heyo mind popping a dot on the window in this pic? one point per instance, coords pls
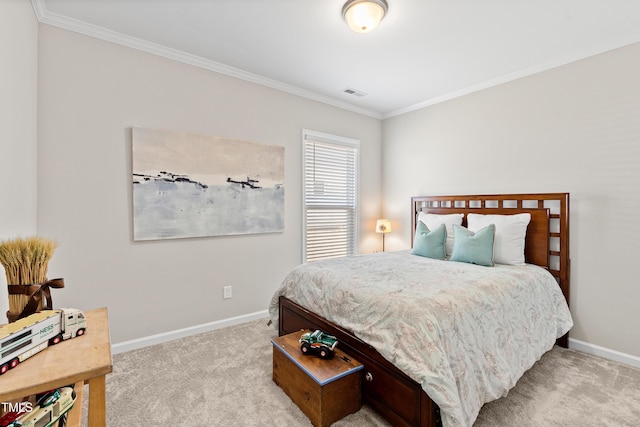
(330, 196)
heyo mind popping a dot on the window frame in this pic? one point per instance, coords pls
(337, 141)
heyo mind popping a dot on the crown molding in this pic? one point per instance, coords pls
(46, 17)
(50, 18)
(573, 56)
(39, 8)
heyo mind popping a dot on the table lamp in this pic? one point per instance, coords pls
(383, 226)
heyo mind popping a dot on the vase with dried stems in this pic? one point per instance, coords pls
(25, 261)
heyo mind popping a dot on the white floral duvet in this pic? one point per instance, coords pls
(466, 333)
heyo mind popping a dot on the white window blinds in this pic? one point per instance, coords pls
(330, 196)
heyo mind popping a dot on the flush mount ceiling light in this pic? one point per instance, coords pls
(363, 16)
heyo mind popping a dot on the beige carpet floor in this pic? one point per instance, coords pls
(223, 378)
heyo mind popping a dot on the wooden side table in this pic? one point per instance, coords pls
(325, 390)
(79, 361)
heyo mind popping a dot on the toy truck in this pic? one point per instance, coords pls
(318, 342)
(10, 419)
(25, 337)
(50, 408)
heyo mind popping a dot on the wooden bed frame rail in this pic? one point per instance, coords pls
(385, 388)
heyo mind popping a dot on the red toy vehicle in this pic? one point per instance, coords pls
(16, 410)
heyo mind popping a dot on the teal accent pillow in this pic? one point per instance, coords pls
(430, 244)
(474, 248)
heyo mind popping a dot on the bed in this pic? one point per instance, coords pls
(396, 380)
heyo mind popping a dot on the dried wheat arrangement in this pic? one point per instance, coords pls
(25, 261)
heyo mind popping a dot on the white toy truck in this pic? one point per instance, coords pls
(25, 337)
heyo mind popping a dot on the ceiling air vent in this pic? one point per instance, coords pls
(355, 92)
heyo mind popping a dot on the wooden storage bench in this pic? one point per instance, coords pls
(325, 390)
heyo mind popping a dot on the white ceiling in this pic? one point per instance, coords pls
(423, 52)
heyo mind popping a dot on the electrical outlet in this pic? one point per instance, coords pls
(227, 292)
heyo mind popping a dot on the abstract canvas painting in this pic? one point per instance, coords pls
(189, 185)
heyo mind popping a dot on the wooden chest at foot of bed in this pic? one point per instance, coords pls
(326, 390)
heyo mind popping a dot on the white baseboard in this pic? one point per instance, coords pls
(603, 352)
(574, 344)
(185, 332)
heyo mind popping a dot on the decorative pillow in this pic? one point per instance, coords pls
(474, 248)
(511, 231)
(433, 221)
(428, 243)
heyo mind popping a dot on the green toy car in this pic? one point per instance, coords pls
(317, 342)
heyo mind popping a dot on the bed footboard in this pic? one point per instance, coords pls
(385, 388)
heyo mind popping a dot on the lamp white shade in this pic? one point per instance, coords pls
(363, 16)
(383, 226)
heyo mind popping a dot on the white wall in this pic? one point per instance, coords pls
(91, 93)
(18, 126)
(573, 129)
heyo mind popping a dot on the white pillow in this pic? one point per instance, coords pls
(511, 231)
(433, 221)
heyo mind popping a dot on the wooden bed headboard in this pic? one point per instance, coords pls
(547, 241)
